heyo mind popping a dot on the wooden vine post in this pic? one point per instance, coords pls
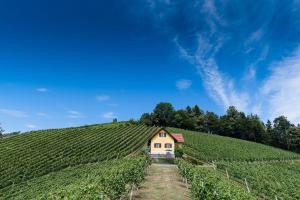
(131, 192)
(227, 173)
(246, 183)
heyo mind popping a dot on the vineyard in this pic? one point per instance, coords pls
(269, 180)
(270, 173)
(213, 147)
(209, 184)
(109, 180)
(100, 162)
(31, 155)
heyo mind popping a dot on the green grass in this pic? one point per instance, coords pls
(209, 147)
(34, 154)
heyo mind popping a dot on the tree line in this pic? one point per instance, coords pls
(279, 133)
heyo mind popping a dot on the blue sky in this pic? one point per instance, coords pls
(69, 63)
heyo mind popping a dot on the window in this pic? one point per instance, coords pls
(168, 145)
(157, 145)
(162, 134)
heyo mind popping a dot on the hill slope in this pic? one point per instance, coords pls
(57, 162)
(270, 172)
(38, 153)
(209, 147)
(109, 179)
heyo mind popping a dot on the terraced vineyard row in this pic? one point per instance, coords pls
(31, 155)
(209, 147)
(107, 180)
(270, 180)
(210, 184)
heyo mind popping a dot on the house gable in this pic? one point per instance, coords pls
(162, 145)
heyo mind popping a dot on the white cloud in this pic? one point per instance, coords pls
(75, 114)
(278, 94)
(109, 115)
(31, 126)
(281, 90)
(103, 97)
(183, 84)
(213, 16)
(218, 86)
(42, 90)
(13, 113)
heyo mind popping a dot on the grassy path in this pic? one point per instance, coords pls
(163, 182)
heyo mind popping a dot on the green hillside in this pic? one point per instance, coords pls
(83, 162)
(268, 179)
(89, 181)
(270, 172)
(38, 153)
(209, 147)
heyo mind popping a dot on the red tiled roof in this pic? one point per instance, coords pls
(178, 137)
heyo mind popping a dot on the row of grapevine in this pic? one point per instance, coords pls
(270, 180)
(109, 180)
(210, 184)
(38, 153)
(210, 147)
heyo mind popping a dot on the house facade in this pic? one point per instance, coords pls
(163, 144)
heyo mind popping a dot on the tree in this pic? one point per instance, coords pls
(181, 119)
(211, 122)
(163, 114)
(147, 119)
(133, 122)
(293, 139)
(189, 110)
(197, 111)
(230, 121)
(255, 129)
(280, 130)
(267, 137)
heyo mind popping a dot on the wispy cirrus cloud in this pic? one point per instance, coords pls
(281, 90)
(183, 84)
(13, 113)
(208, 43)
(220, 87)
(213, 17)
(214, 37)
